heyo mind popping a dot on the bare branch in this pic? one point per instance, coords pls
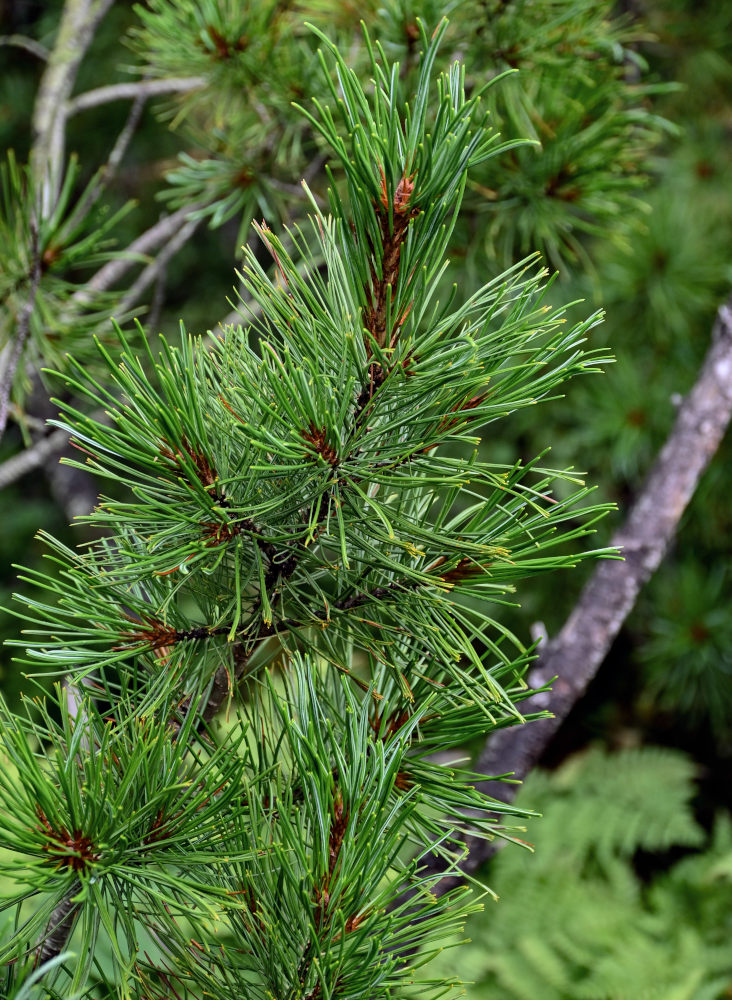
(79, 21)
(123, 139)
(577, 652)
(32, 458)
(107, 172)
(158, 297)
(150, 240)
(126, 91)
(29, 44)
(22, 330)
(151, 272)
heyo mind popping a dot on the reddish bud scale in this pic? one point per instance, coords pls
(464, 570)
(317, 437)
(204, 469)
(71, 850)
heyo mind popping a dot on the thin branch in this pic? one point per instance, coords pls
(223, 684)
(150, 240)
(32, 458)
(126, 91)
(577, 652)
(29, 44)
(155, 268)
(107, 172)
(123, 139)
(79, 21)
(22, 330)
(158, 298)
(28, 420)
(58, 929)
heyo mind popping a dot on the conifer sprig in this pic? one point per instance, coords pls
(42, 251)
(111, 815)
(307, 524)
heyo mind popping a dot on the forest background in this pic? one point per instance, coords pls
(653, 737)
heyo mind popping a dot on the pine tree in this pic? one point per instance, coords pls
(296, 597)
(297, 513)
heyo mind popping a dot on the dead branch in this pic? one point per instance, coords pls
(79, 21)
(32, 458)
(29, 44)
(126, 91)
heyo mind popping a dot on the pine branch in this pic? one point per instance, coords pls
(223, 684)
(22, 330)
(29, 44)
(143, 89)
(394, 221)
(151, 273)
(58, 929)
(578, 651)
(107, 172)
(79, 21)
(32, 458)
(164, 229)
(290, 518)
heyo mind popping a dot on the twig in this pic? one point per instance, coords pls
(32, 458)
(112, 272)
(295, 191)
(29, 44)
(107, 172)
(123, 139)
(58, 929)
(151, 272)
(577, 652)
(158, 298)
(79, 21)
(125, 91)
(22, 330)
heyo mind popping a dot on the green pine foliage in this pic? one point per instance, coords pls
(242, 133)
(310, 523)
(576, 920)
(299, 509)
(686, 656)
(579, 96)
(73, 240)
(242, 145)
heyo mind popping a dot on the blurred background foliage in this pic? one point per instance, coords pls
(607, 907)
(628, 196)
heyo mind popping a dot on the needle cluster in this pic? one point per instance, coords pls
(298, 522)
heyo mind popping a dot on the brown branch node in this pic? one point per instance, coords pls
(73, 850)
(317, 438)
